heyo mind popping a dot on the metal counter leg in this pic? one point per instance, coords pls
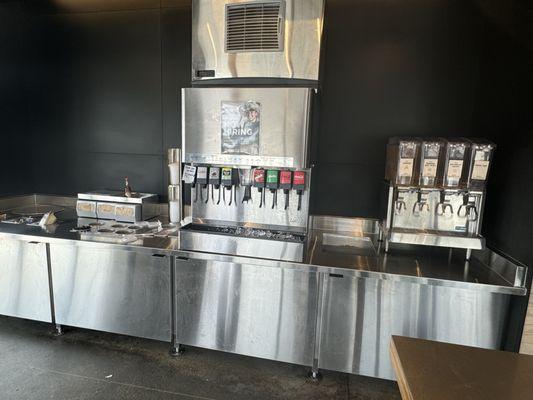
(468, 254)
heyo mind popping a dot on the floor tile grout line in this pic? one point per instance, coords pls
(121, 383)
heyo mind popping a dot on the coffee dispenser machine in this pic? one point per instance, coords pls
(437, 191)
(246, 164)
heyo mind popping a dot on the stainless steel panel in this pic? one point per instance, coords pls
(356, 226)
(241, 246)
(247, 309)
(283, 139)
(460, 241)
(360, 315)
(24, 288)
(512, 271)
(299, 58)
(112, 290)
(114, 196)
(251, 213)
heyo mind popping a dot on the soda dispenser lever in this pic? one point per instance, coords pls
(201, 182)
(259, 183)
(299, 186)
(272, 183)
(227, 183)
(285, 183)
(214, 181)
(189, 178)
(245, 177)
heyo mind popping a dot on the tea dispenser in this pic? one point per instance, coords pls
(436, 192)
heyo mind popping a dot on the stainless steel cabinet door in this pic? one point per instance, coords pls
(360, 315)
(112, 290)
(24, 288)
(246, 309)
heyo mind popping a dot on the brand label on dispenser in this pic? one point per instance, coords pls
(189, 174)
(285, 179)
(227, 176)
(201, 176)
(259, 177)
(298, 182)
(455, 169)
(480, 170)
(405, 169)
(272, 179)
(429, 170)
(214, 175)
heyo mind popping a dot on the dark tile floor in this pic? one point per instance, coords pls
(91, 365)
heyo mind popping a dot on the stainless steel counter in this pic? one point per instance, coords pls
(344, 246)
(337, 310)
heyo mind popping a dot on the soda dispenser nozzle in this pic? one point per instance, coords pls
(245, 177)
(299, 186)
(214, 181)
(227, 183)
(259, 183)
(272, 183)
(202, 183)
(285, 183)
(189, 178)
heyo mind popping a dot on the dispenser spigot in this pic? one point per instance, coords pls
(444, 204)
(421, 203)
(468, 209)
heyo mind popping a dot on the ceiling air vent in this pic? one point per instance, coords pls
(255, 26)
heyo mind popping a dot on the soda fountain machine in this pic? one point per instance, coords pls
(246, 164)
(437, 191)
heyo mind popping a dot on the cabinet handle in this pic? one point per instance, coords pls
(182, 258)
(34, 242)
(336, 275)
(159, 255)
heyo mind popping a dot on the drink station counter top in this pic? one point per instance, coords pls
(336, 245)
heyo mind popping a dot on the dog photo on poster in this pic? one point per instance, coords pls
(241, 127)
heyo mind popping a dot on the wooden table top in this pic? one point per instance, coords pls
(442, 371)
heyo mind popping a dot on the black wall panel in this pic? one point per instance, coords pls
(96, 97)
(391, 69)
(15, 176)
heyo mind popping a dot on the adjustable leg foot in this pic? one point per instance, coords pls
(176, 350)
(314, 375)
(58, 330)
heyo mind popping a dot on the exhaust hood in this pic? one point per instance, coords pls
(256, 39)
